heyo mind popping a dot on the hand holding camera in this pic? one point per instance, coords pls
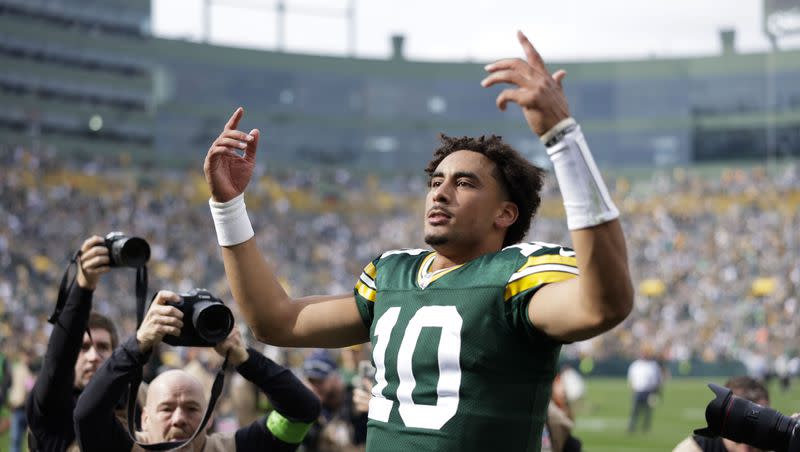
(207, 320)
(161, 319)
(93, 262)
(234, 347)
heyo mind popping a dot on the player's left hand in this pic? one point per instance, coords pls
(539, 93)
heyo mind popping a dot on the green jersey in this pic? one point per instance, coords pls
(459, 366)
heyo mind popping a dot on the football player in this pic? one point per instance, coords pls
(465, 335)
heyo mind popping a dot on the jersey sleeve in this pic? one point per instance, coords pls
(545, 265)
(366, 291)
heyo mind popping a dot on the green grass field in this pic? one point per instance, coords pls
(602, 419)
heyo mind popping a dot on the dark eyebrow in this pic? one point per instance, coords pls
(467, 174)
(458, 174)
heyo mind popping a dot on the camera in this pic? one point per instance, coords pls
(124, 251)
(206, 320)
(743, 421)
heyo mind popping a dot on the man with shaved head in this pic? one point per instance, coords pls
(173, 390)
(176, 401)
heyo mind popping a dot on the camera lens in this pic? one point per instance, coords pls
(746, 422)
(212, 321)
(130, 252)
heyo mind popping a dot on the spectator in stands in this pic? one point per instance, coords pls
(176, 401)
(21, 384)
(334, 432)
(81, 340)
(746, 387)
(5, 385)
(685, 225)
(644, 378)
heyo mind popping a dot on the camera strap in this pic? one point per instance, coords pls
(141, 293)
(63, 289)
(133, 390)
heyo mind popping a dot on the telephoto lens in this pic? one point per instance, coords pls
(743, 421)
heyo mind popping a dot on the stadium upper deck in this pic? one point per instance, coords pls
(165, 100)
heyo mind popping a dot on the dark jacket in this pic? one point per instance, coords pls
(52, 401)
(99, 430)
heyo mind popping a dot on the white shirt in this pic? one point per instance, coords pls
(644, 375)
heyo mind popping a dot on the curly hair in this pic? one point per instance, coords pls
(520, 179)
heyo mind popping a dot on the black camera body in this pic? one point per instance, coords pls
(743, 421)
(124, 251)
(206, 320)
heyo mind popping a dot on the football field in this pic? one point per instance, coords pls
(602, 418)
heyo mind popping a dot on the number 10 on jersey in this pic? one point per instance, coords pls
(448, 320)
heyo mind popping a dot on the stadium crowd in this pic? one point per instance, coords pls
(714, 252)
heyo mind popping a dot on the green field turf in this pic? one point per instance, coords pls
(602, 419)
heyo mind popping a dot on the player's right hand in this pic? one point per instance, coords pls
(227, 171)
(161, 319)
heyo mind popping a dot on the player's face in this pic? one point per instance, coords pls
(175, 407)
(463, 201)
(93, 352)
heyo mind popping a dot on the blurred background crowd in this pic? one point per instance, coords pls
(107, 116)
(713, 253)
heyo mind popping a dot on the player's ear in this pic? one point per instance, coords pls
(506, 215)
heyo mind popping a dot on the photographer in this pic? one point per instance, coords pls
(745, 387)
(175, 401)
(78, 345)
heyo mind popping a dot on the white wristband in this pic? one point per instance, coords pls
(231, 221)
(586, 197)
(557, 129)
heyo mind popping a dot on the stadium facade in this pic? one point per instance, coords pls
(86, 76)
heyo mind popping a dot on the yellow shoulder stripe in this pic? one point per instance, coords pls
(535, 279)
(365, 291)
(549, 259)
(370, 270)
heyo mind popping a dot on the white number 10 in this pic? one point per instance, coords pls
(414, 415)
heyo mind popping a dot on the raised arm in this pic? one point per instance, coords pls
(52, 394)
(96, 426)
(602, 296)
(275, 318)
(296, 406)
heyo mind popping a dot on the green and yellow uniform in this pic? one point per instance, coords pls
(459, 365)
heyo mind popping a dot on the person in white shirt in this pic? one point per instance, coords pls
(644, 378)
